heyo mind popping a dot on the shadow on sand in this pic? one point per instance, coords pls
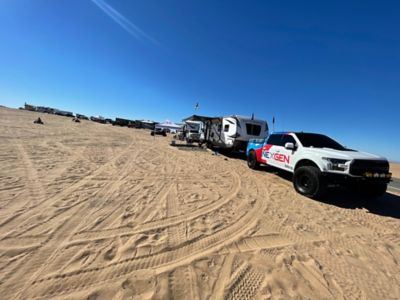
(387, 205)
(191, 147)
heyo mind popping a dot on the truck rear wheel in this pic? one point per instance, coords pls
(308, 181)
(252, 161)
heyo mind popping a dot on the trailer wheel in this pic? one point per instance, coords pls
(252, 161)
(308, 181)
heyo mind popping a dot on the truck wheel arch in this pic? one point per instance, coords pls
(306, 162)
(252, 160)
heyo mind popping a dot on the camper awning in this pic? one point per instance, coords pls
(200, 118)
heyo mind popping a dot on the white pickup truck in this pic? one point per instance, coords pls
(317, 161)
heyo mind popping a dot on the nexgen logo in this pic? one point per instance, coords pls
(278, 157)
(281, 157)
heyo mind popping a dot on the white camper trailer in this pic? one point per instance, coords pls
(193, 131)
(234, 132)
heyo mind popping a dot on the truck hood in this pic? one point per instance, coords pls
(348, 155)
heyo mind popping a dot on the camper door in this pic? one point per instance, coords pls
(228, 131)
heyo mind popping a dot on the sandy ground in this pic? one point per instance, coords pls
(395, 169)
(92, 211)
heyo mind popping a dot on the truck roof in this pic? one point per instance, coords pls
(294, 132)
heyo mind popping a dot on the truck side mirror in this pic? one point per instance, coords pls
(289, 146)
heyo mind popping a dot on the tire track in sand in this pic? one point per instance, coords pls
(64, 230)
(166, 222)
(37, 209)
(161, 262)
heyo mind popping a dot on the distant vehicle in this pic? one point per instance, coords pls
(158, 131)
(44, 109)
(124, 122)
(29, 107)
(98, 119)
(234, 132)
(179, 135)
(147, 124)
(193, 131)
(63, 113)
(83, 117)
(317, 162)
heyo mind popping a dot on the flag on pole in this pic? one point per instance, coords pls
(273, 124)
(197, 106)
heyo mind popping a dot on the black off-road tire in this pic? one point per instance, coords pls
(308, 182)
(252, 161)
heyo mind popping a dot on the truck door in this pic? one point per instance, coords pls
(286, 156)
(270, 149)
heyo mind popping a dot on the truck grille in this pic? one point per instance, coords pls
(358, 167)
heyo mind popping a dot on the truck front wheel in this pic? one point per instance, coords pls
(252, 161)
(308, 181)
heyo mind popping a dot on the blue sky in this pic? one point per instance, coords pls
(320, 66)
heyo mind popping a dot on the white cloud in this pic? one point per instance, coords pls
(131, 28)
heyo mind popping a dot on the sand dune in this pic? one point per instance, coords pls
(92, 211)
(395, 169)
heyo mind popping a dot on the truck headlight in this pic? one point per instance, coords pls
(335, 164)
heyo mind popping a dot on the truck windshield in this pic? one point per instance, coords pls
(319, 141)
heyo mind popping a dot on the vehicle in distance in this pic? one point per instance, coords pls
(98, 119)
(83, 117)
(193, 131)
(158, 131)
(234, 132)
(123, 122)
(317, 162)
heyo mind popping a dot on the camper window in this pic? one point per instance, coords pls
(253, 129)
(226, 128)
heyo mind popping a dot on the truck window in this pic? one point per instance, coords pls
(274, 139)
(253, 129)
(288, 139)
(226, 128)
(319, 141)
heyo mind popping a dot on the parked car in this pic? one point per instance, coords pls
(317, 161)
(83, 117)
(98, 119)
(158, 131)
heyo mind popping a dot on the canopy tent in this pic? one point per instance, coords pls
(167, 124)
